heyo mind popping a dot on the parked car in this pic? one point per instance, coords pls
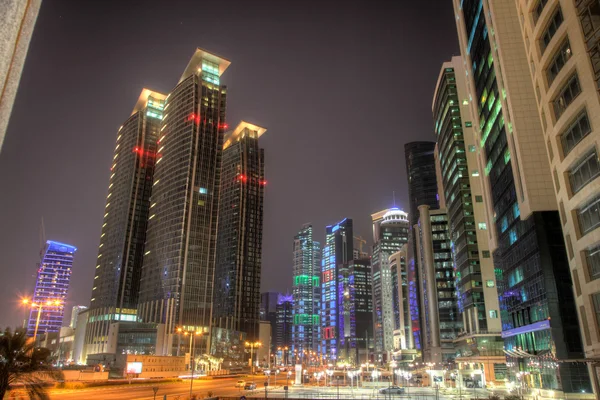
(240, 384)
(392, 390)
(250, 386)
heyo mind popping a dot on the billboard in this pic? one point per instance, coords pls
(134, 367)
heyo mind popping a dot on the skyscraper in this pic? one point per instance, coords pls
(537, 305)
(566, 74)
(306, 292)
(239, 243)
(123, 234)
(176, 286)
(390, 232)
(284, 321)
(402, 335)
(17, 19)
(480, 344)
(337, 253)
(51, 285)
(421, 174)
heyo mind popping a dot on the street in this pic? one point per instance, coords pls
(225, 387)
(221, 387)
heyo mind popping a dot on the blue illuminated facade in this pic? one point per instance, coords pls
(338, 250)
(52, 285)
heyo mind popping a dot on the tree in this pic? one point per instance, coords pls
(21, 363)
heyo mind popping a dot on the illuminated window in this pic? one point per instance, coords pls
(485, 254)
(203, 190)
(475, 173)
(489, 283)
(493, 314)
(482, 226)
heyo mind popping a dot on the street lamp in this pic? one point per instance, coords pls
(330, 373)
(192, 345)
(252, 346)
(40, 306)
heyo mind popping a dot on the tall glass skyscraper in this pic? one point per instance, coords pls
(461, 190)
(537, 305)
(176, 286)
(390, 232)
(338, 250)
(306, 292)
(123, 235)
(52, 284)
(239, 244)
(421, 174)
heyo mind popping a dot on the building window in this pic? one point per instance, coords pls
(468, 124)
(479, 199)
(575, 133)
(584, 172)
(493, 314)
(485, 254)
(472, 148)
(558, 62)
(482, 226)
(589, 216)
(592, 257)
(596, 302)
(537, 10)
(489, 283)
(475, 173)
(551, 29)
(566, 96)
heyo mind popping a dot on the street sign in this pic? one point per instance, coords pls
(155, 388)
(285, 388)
(266, 384)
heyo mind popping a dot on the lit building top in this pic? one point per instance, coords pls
(240, 131)
(197, 63)
(146, 100)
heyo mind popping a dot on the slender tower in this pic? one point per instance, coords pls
(306, 291)
(239, 245)
(121, 250)
(176, 286)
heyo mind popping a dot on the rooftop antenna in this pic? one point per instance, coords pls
(42, 238)
(394, 198)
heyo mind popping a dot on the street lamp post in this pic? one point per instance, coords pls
(252, 346)
(192, 366)
(330, 373)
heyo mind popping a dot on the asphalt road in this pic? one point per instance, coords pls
(221, 387)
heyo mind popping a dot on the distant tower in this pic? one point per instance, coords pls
(176, 286)
(306, 291)
(239, 243)
(390, 232)
(52, 284)
(75, 313)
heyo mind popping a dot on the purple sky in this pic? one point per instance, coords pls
(340, 86)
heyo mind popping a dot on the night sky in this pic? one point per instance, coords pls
(340, 87)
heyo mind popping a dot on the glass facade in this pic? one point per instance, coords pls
(176, 285)
(530, 262)
(51, 285)
(390, 231)
(306, 292)
(457, 192)
(239, 243)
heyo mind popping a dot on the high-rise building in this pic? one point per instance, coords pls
(306, 292)
(566, 73)
(123, 234)
(422, 180)
(537, 304)
(355, 310)
(17, 19)
(284, 321)
(390, 232)
(479, 347)
(337, 251)
(402, 335)
(51, 288)
(74, 314)
(176, 286)
(440, 320)
(239, 244)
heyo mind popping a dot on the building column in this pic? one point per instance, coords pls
(429, 269)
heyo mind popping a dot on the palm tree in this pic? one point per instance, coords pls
(21, 363)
